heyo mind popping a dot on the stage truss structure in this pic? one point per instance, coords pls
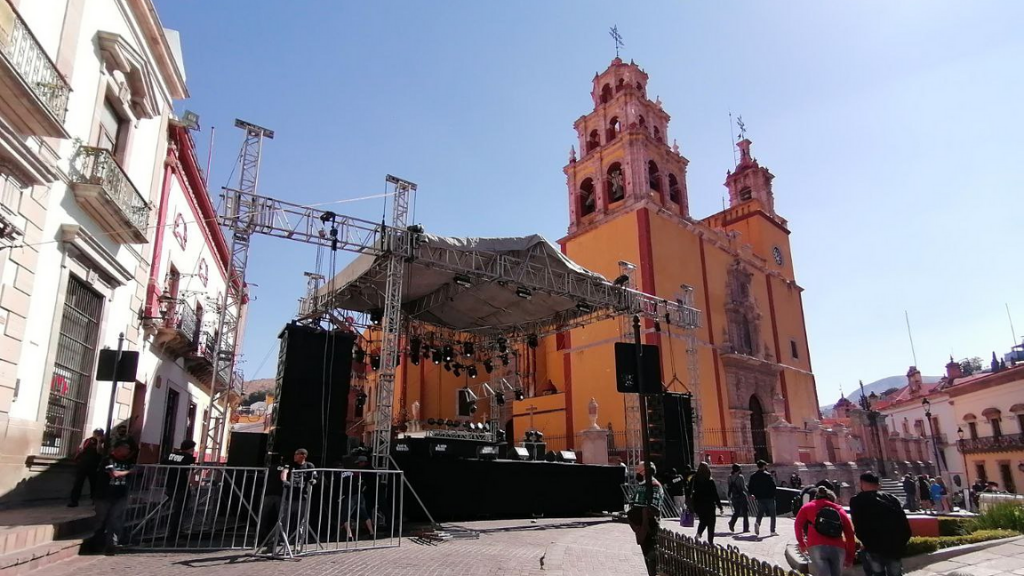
(245, 213)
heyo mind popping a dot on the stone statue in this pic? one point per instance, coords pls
(592, 412)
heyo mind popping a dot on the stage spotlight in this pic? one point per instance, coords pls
(524, 293)
(375, 362)
(457, 370)
(531, 436)
(657, 326)
(360, 401)
(431, 421)
(435, 356)
(376, 317)
(359, 355)
(519, 394)
(584, 307)
(448, 353)
(504, 359)
(499, 398)
(467, 348)
(414, 347)
(415, 359)
(502, 344)
(531, 341)
(462, 280)
(538, 435)
(447, 367)
(622, 280)
(452, 423)
(471, 370)
(488, 366)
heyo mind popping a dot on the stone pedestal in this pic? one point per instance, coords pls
(594, 445)
(785, 443)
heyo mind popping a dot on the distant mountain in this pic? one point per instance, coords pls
(879, 386)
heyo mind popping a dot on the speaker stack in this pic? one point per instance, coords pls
(670, 426)
(314, 372)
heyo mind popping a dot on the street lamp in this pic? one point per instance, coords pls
(967, 477)
(935, 446)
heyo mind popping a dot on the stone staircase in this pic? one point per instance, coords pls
(32, 538)
(894, 487)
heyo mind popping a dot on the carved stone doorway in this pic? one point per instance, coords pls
(758, 433)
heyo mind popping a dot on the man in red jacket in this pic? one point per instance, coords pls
(829, 539)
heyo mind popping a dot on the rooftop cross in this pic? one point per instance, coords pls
(742, 127)
(614, 33)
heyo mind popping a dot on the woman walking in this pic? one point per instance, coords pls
(737, 494)
(925, 490)
(704, 500)
(824, 532)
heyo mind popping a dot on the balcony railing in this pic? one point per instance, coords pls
(25, 56)
(1004, 443)
(183, 319)
(104, 190)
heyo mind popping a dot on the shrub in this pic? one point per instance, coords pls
(955, 526)
(1004, 516)
(928, 544)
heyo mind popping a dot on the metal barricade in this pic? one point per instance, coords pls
(325, 510)
(206, 507)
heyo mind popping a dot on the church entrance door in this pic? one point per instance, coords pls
(758, 434)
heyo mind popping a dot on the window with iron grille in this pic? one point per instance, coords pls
(72, 370)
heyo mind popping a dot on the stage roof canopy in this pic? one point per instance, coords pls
(511, 285)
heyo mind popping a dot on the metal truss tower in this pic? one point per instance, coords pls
(693, 370)
(634, 426)
(226, 337)
(391, 323)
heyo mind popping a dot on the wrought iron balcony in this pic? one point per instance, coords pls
(1003, 443)
(105, 192)
(33, 94)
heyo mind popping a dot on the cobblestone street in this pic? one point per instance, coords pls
(593, 547)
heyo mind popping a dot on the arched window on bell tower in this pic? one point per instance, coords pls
(675, 194)
(641, 122)
(587, 197)
(613, 129)
(745, 195)
(620, 85)
(615, 183)
(606, 94)
(640, 87)
(657, 134)
(653, 177)
(593, 141)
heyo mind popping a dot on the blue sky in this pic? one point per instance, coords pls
(892, 129)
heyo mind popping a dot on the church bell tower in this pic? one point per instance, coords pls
(624, 155)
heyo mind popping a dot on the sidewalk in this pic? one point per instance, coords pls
(768, 548)
(1003, 560)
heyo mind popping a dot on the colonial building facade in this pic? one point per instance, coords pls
(86, 104)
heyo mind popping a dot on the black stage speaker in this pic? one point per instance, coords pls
(247, 449)
(670, 426)
(625, 368)
(536, 450)
(314, 371)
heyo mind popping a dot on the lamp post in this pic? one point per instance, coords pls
(967, 477)
(931, 430)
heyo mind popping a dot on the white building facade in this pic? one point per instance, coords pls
(86, 107)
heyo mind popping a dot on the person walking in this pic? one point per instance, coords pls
(824, 532)
(111, 508)
(737, 493)
(910, 492)
(87, 467)
(644, 515)
(935, 489)
(704, 500)
(924, 492)
(762, 488)
(881, 526)
(176, 484)
(946, 500)
(676, 488)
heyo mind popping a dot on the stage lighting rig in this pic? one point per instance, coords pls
(467, 349)
(457, 370)
(359, 355)
(524, 293)
(531, 341)
(488, 366)
(463, 280)
(499, 398)
(435, 356)
(361, 398)
(519, 394)
(504, 359)
(449, 353)
(376, 317)
(415, 345)
(471, 371)
(375, 362)
(502, 345)
(447, 367)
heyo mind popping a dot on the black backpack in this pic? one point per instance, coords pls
(828, 522)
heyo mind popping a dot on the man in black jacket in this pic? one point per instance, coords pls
(881, 526)
(762, 487)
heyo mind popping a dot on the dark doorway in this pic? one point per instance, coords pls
(138, 413)
(170, 423)
(830, 447)
(190, 423)
(758, 433)
(1007, 475)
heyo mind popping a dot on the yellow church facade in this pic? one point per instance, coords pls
(628, 200)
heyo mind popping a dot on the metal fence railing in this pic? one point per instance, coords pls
(194, 508)
(334, 510)
(680, 555)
